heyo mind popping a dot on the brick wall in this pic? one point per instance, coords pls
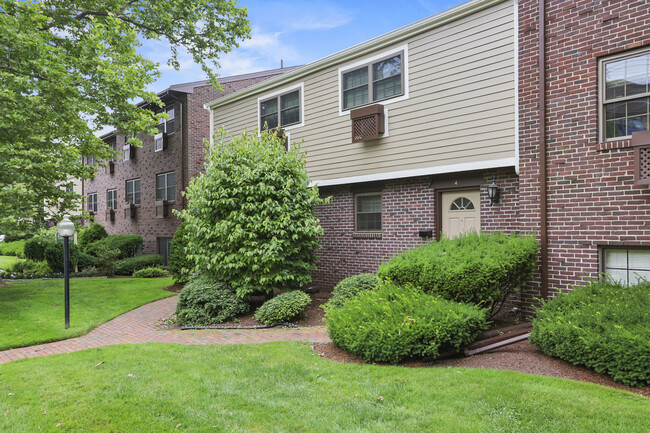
(592, 201)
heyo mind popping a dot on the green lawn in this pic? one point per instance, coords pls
(7, 261)
(286, 387)
(32, 312)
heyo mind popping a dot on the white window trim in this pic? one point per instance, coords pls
(300, 86)
(95, 202)
(126, 183)
(351, 66)
(115, 200)
(165, 175)
(601, 90)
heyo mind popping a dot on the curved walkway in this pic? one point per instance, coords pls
(141, 326)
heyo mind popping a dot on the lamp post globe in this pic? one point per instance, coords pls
(65, 228)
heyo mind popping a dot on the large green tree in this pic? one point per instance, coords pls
(68, 67)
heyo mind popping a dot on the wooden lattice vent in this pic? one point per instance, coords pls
(641, 144)
(367, 123)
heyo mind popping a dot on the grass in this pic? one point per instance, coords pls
(32, 312)
(7, 261)
(286, 387)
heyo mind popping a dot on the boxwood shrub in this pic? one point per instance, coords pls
(393, 323)
(90, 234)
(205, 301)
(54, 254)
(35, 248)
(480, 269)
(604, 326)
(128, 245)
(351, 287)
(151, 272)
(129, 265)
(283, 307)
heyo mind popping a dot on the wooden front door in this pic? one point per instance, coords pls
(461, 212)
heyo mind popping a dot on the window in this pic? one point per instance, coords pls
(90, 161)
(167, 126)
(282, 110)
(462, 203)
(133, 191)
(625, 94)
(627, 266)
(166, 186)
(111, 199)
(164, 245)
(113, 146)
(374, 81)
(69, 187)
(368, 212)
(92, 202)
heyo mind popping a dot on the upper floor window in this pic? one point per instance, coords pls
(90, 161)
(113, 145)
(374, 81)
(625, 93)
(92, 202)
(133, 191)
(111, 199)
(166, 186)
(281, 110)
(168, 125)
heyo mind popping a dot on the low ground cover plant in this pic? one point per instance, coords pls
(205, 300)
(128, 245)
(129, 265)
(283, 308)
(351, 287)
(151, 272)
(480, 269)
(392, 323)
(603, 325)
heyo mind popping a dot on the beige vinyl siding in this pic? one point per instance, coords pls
(460, 109)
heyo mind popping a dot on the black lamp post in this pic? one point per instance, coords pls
(493, 193)
(66, 229)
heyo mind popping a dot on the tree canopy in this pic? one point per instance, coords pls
(69, 67)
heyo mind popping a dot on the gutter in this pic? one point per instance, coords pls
(542, 151)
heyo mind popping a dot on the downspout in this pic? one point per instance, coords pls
(542, 150)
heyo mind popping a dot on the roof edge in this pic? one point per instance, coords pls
(366, 47)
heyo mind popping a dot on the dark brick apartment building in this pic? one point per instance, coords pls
(150, 178)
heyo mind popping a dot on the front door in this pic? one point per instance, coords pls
(461, 212)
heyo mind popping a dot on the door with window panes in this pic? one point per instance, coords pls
(461, 212)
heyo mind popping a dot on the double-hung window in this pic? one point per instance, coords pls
(367, 209)
(111, 199)
(92, 202)
(373, 82)
(113, 146)
(166, 186)
(625, 95)
(282, 110)
(167, 125)
(133, 191)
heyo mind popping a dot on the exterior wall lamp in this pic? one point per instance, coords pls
(494, 192)
(65, 228)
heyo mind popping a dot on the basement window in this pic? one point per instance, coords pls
(627, 266)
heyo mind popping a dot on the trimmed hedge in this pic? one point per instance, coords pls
(35, 248)
(54, 254)
(204, 301)
(90, 234)
(476, 269)
(31, 267)
(393, 323)
(179, 264)
(150, 273)
(604, 326)
(351, 287)
(283, 307)
(16, 249)
(129, 265)
(128, 245)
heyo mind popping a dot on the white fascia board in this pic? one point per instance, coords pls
(452, 168)
(362, 49)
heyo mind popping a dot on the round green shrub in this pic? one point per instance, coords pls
(283, 307)
(250, 216)
(54, 254)
(351, 287)
(86, 261)
(480, 269)
(393, 323)
(205, 300)
(129, 265)
(90, 234)
(603, 325)
(179, 264)
(35, 248)
(151, 272)
(128, 245)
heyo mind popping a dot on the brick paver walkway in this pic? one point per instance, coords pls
(139, 326)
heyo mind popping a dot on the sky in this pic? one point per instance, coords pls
(299, 32)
